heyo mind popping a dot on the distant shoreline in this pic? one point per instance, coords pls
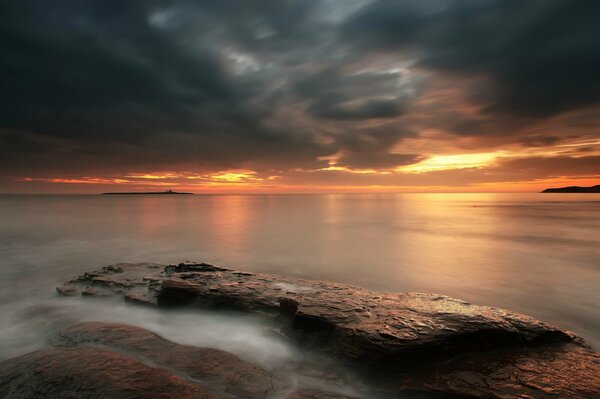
(573, 189)
(148, 193)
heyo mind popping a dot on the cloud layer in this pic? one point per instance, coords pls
(323, 93)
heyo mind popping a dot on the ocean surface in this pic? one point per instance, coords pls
(537, 254)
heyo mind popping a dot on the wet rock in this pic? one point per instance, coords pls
(135, 282)
(67, 290)
(564, 371)
(193, 267)
(213, 368)
(396, 329)
(432, 344)
(316, 394)
(89, 373)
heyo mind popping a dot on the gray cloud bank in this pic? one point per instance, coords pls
(109, 86)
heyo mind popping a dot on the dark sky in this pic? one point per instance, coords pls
(305, 95)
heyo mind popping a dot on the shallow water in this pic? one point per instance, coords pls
(534, 253)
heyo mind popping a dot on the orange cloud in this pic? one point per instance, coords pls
(81, 180)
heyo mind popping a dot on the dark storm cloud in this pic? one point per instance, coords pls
(119, 78)
(359, 96)
(349, 98)
(160, 83)
(542, 56)
(98, 70)
(370, 109)
(82, 67)
(372, 149)
(259, 24)
(113, 86)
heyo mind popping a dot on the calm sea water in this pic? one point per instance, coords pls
(534, 253)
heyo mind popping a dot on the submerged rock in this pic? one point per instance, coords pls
(90, 373)
(433, 343)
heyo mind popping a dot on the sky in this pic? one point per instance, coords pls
(298, 96)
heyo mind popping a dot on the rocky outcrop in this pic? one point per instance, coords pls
(430, 343)
(219, 370)
(353, 323)
(134, 282)
(90, 373)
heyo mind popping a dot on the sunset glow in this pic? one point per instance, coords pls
(343, 97)
(247, 177)
(450, 162)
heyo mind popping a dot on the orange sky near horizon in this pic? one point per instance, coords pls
(250, 182)
(505, 170)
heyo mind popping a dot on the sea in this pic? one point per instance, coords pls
(537, 254)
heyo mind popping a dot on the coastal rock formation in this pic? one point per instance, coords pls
(428, 342)
(353, 323)
(90, 373)
(213, 368)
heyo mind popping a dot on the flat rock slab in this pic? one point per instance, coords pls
(216, 369)
(428, 343)
(353, 323)
(90, 373)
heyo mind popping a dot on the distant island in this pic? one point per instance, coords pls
(573, 189)
(168, 192)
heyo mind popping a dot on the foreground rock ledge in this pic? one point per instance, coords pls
(351, 322)
(386, 330)
(95, 360)
(218, 370)
(91, 373)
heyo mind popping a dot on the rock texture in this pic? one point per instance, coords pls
(316, 394)
(211, 367)
(89, 373)
(564, 371)
(431, 343)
